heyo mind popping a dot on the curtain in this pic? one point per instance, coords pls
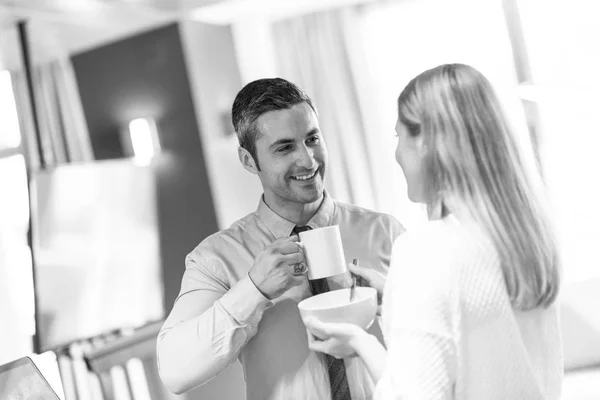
(63, 129)
(321, 54)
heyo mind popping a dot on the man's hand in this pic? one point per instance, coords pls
(279, 267)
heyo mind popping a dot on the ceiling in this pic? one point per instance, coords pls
(78, 25)
(66, 27)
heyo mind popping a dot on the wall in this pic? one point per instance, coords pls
(145, 75)
(215, 80)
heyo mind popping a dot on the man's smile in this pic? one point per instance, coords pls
(305, 177)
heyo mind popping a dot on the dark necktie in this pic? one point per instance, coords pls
(336, 368)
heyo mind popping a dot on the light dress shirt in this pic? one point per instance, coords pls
(449, 327)
(236, 321)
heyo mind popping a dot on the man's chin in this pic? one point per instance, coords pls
(309, 194)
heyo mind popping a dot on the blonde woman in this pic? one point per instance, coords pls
(469, 301)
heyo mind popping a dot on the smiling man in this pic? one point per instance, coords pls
(241, 287)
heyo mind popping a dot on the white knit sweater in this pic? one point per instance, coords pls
(449, 327)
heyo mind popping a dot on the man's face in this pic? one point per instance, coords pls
(292, 156)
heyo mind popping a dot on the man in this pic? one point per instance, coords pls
(241, 286)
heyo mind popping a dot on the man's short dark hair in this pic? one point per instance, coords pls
(257, 98)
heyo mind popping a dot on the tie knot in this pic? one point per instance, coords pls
(298, 229)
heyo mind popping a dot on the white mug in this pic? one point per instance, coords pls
(324, 252)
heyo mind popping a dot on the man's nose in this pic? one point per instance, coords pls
(305, 158)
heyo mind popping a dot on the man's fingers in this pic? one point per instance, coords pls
(291, 259)
(298, 280)
(288, 247)
(299, 271)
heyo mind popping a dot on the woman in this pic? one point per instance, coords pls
(469, 302)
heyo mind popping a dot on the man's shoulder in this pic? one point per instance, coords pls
(216, 243)
(366, 215)
(354, 209)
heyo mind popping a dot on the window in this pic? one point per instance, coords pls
(564, 64)
(17, 309)
(403, 39)
(10, 136)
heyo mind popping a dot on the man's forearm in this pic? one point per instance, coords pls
(192, 352)
(189, 356)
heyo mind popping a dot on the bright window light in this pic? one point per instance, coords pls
(144, 140)
(566, 92)
(10, 134)
(17, 308)
(448, 37)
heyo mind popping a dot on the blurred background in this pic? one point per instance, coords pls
(117, 153)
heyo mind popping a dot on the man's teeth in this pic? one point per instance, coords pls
(304, 177)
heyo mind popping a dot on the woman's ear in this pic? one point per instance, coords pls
(247, 160)
(421, 145)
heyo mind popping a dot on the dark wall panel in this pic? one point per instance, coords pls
(145, 76)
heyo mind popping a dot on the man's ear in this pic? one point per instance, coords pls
(247, 160)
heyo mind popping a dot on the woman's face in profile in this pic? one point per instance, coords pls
(409, 154)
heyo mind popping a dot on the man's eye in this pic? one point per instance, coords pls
(284, 148)
(314, 139)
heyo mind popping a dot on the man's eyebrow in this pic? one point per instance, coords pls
(313, 131)
(282, 141)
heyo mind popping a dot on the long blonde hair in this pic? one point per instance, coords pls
(477, 170)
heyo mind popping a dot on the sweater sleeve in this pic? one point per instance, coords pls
(420, 363)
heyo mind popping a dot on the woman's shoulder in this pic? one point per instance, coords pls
(424, 252)
(447, 248)
(432, 237)
(446, 262)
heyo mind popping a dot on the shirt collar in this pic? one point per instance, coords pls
(281, 227)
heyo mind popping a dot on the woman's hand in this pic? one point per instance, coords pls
(339, 340)
(342, 340)
(373, 278)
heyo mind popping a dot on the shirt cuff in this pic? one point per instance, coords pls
(245, 302)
